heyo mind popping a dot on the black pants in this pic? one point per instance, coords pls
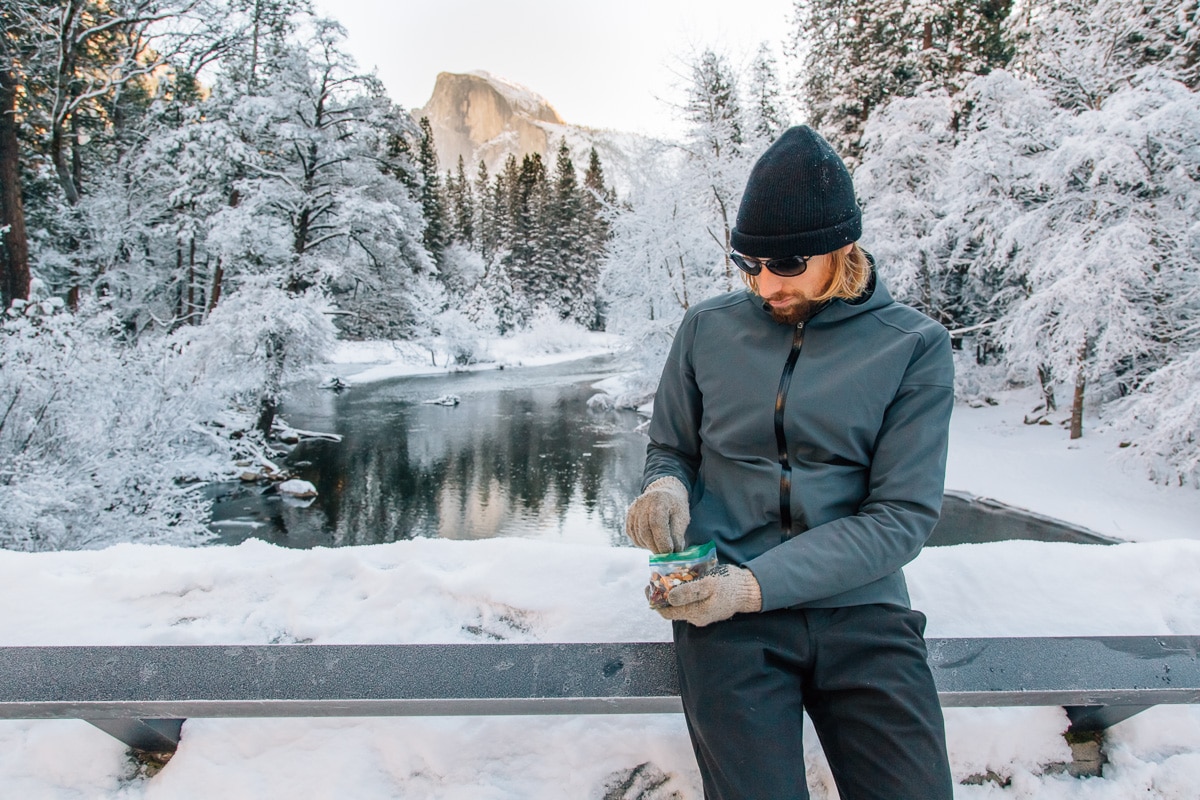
(860, 672)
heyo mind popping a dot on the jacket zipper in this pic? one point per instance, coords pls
(785, 472)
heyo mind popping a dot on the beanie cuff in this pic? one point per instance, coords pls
(808, 243)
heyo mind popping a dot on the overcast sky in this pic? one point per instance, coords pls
(605, 64)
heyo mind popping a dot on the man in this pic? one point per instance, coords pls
(802, 426)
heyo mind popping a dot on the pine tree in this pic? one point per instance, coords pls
(594, 234)
(485, 220)
(569, 233)
(530, 262)
(958, 40)
(713, 107)
(854, 57)
(593, 179)
(766, 112)
(433, 206)
(506, 205)
(497, 294)
(461, 200)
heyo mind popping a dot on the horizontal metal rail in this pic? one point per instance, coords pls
(141, 693)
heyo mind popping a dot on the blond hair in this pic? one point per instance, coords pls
(851, 272)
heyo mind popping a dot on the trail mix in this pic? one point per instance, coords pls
(668, 570)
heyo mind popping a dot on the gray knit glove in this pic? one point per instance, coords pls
(726, 590)
(658, 518)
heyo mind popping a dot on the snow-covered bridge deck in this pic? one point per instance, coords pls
(142, 694)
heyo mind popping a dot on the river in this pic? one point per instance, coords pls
(520, 455)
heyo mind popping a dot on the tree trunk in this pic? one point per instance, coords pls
(180, 296)
(1077, 403)
(60, 117)
(14, 245)
(62, 165)
(76, 158)
(191, 285)
(1047, 383)
(214, 296)
(268, 402)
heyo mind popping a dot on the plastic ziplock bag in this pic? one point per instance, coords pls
(668, 570)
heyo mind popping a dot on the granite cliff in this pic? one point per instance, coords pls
(482, 117)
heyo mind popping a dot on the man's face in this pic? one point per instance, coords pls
(790, 299)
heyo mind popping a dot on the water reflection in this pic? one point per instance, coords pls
(521, 455)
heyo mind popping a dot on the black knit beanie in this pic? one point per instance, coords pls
(799, 200)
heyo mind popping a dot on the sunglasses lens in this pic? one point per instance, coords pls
(783, 267)
(745, 265)
(788, 267)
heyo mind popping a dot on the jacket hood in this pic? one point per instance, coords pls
(874, 297)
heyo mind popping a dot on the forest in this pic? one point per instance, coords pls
(199, 197)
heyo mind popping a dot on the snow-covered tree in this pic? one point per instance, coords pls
(662, 258)
(73, 76)
(1160, 414)
(765, 103)
(1094, 246)
(855, 57)
(670, 240)
(103, 437)
(321, 198)
(1084, 51)
(717, 162)
(901, 183)
(574, 273)
(256, 338)
(1003, 125)
(1164, 419)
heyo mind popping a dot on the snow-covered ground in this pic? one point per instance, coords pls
(993, 453)
(523, 590)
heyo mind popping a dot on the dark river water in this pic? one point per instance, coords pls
(521, 454)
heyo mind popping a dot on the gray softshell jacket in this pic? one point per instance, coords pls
(815, 454)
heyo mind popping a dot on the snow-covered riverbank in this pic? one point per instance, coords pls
(547, 343)
(993, 453)
(518, 590)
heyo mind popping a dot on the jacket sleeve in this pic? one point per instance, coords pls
(674, 447)
(907, 477)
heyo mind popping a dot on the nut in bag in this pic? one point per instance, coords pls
(668, 570)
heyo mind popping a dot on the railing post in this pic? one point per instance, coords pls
(149, 735)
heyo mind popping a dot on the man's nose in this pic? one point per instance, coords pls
(768, 283)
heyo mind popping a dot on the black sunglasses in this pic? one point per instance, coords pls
(788, 267)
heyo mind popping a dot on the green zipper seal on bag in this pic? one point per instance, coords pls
(695, 553)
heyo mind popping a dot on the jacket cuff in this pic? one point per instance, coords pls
(770, 584)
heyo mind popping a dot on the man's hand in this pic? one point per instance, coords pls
(724, 591)
(659, 517)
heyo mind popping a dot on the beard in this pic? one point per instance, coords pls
(801, 309)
